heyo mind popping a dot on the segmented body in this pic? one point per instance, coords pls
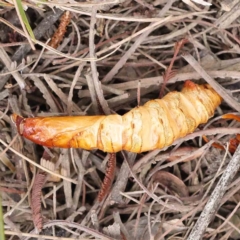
(155, 125)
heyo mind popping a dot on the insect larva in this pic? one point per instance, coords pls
(154, 125)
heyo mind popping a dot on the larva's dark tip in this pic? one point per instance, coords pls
(17, 120)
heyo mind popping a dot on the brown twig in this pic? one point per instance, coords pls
(109, 176)
(39, 181)
(169, 73)
(59, 34)
(214, 201)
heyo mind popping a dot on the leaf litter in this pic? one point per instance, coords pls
(109, 57)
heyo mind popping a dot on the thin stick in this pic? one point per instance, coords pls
(215, 199)
(97, 84)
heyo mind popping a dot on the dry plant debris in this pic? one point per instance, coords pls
(109, 56)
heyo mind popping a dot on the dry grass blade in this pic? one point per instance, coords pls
(228, 17)
(38, 32)
(97, 84)
(60, 93)
(5, 160)
(65, 171)
(24, 22)
(9, 65)
(32, 235)
(171, 182)
(111, 59)
(35, 164)
(213, 203)
(217, 87)
(131, 50)
(46, 94)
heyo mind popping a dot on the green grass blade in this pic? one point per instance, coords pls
(2, 235)
(24, 18)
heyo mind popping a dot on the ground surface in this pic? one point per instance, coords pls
(130, 47)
